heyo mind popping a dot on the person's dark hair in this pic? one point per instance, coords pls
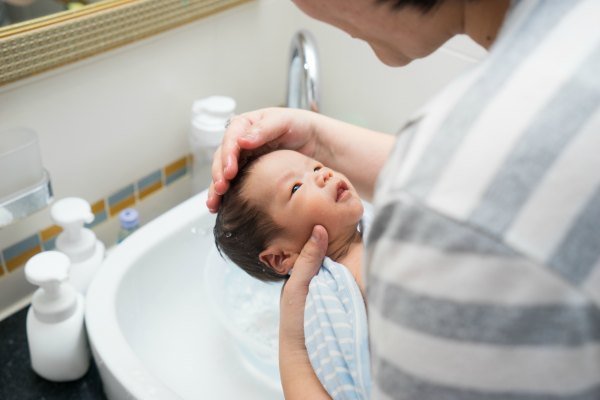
(422, 5)
(242, 230)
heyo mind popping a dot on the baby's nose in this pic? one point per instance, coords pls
(324, 175)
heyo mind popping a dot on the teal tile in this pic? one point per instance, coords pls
(98, 218)
(11, 252)
(120, 195)
(50, 244)
(175, 175)
(149, 180)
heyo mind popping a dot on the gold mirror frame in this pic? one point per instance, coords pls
(44, 43)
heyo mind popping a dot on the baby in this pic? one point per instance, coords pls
(265, 219)
(274, 202)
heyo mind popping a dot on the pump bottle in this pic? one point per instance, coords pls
(55, 330)
(85, 251)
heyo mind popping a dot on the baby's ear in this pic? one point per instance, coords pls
(277, 259)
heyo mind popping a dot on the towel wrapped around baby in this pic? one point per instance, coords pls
(336, 332)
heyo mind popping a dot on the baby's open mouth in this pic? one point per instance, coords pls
(342, 189)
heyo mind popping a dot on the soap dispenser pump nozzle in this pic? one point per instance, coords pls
(48, 271)
(71, 213)
(54, 302)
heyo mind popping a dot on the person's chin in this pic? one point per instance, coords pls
(357, 208)
(392, 59)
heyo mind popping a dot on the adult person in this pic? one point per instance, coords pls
(483, 262)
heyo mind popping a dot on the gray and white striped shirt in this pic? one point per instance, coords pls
(483, 262)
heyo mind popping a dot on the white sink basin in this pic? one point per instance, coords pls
(152, 332)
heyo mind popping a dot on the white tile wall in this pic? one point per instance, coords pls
(109, 120)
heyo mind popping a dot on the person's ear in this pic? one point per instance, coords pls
(278, 260)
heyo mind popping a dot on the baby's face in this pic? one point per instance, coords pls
(299, 193)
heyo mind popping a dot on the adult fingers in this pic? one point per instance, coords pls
(220, 183)
(214, 200)
(311, 257)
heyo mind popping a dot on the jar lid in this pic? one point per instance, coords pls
(130, 218)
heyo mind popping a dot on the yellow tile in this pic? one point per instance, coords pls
(129, 201)
(22, 258)
(176, 166)
(150, 189)
(50, 232)
(98, 206)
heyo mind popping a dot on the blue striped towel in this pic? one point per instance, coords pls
(335, 331)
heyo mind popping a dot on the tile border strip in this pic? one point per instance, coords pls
(102, 211)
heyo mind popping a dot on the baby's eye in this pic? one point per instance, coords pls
(317, 169)
(296, 187)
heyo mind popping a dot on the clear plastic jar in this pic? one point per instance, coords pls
(208, 120)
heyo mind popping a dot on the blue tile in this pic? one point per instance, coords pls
(120, 195)
(50, 244)
(149, 180)
(176, 175)
(11, 252)
(100, 217)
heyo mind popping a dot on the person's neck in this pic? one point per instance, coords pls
(483, 20)
(347, 250)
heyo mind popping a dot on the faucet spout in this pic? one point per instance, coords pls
(304, 81)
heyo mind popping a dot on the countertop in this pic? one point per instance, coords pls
(19, 382)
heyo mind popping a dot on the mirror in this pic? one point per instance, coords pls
(17, 11)
(39, 35)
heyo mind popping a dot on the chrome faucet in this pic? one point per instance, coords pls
(304, 81)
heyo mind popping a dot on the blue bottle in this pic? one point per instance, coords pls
(130, 222)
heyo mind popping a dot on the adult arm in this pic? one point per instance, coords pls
(356, 152)
(298, 378)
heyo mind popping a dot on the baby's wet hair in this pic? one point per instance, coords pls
(243, 230)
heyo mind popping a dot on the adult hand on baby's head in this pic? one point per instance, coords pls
(259, 132)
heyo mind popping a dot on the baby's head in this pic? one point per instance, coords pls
(268, 214)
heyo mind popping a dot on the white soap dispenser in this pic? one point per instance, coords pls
(55, 330)
(80, 244)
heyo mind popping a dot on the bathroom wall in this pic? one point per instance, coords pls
(113, 128)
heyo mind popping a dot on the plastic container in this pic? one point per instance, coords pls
(20, 160)
(85, 251)
(249, 309)
(208, 120)
(55, 331)
(130, 222)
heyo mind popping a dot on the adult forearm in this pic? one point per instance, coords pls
(358, 153)
(298, 378)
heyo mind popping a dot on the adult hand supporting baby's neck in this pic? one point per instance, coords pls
(298, 378)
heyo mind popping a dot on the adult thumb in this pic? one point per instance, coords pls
(311, 257)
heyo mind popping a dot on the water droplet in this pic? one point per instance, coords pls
(228, 234)
(194, 230)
